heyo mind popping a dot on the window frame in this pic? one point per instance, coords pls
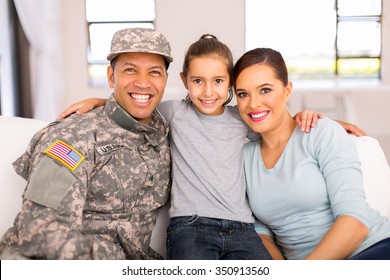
(357, 18)
(341, 55)
(94, 81)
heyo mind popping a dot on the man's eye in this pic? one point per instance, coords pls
(155, 73)
(218, 81)
(129, 70)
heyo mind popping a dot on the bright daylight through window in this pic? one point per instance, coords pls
(104, 17)
(319, 39)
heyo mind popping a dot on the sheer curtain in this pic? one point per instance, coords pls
(41, 22)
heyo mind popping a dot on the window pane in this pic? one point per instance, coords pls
(100, 35)
(100, 42)
(311, 68)
(359, 67)
(304, 31)
(359, 39)
(120, 10)
(359, 7)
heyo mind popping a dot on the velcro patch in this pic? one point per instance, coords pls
(65, 154)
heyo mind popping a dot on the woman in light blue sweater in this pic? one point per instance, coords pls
(306, 190)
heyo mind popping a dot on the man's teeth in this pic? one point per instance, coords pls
(141, 97)
(259, 115)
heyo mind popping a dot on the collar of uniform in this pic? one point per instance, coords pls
(155, 133)
(115, 112)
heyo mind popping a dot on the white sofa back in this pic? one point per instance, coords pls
(16, 133)
(376, 173)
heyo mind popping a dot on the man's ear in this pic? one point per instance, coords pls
(184, 80)
(110, 76)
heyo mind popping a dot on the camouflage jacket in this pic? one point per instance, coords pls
(95, 185)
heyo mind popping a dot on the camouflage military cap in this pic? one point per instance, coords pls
(144, 40)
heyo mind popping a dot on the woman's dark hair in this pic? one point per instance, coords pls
(209, 44)
(265, 56)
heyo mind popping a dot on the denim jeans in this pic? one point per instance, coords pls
(378, 251)
(200, 238)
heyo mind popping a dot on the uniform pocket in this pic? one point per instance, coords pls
(49, 183)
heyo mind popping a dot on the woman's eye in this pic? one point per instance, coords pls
(265, 90)
(242, 94)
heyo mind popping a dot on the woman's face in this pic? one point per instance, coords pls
(262, 98)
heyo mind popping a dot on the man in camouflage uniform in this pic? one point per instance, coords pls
(97, 181)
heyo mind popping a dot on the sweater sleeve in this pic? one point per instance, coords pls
(261, 228)
(338, 161)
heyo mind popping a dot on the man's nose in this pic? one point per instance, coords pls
(142, 80)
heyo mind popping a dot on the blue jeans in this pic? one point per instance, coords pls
(200, 238)
(378, 251)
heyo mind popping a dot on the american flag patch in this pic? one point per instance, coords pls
(65, 154)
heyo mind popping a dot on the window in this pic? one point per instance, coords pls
(319, 39)
(104, 17)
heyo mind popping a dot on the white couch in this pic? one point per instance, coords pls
(16, 133)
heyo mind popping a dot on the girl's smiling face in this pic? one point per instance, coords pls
(208, 83)
(261, 98)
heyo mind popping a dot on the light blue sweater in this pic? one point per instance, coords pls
(316, 179)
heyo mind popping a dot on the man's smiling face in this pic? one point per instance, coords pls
(139, 81)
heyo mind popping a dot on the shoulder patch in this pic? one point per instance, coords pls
(65, 154)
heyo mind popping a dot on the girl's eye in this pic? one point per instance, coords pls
(265, 90)
(197, 81)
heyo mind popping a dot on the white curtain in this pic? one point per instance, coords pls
(41, 22)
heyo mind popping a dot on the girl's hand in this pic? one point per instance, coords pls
(307, 119)
(353, 129)
(82, 107)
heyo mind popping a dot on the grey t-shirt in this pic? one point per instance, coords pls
(207, 162)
